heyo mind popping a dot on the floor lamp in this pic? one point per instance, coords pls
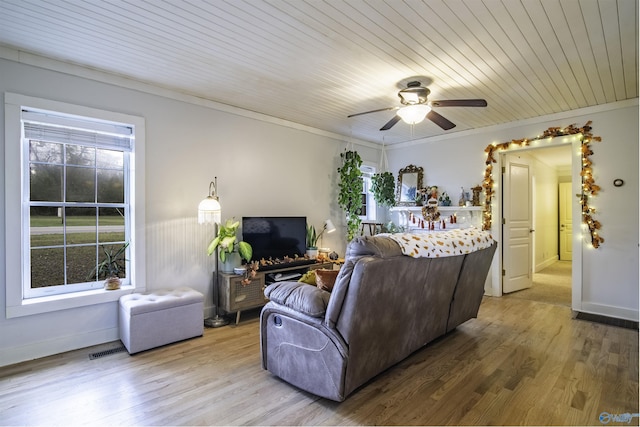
(209, 211)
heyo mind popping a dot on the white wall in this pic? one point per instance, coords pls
(264, 167)
(610, 273)
(268, 167)
(546, 215)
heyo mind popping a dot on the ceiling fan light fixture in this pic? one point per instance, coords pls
(412, 114)
(410, 98)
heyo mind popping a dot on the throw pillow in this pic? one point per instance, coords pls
(325, 279)
(309, 277)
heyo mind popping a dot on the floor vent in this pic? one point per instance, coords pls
(628, 324)
(109, 352)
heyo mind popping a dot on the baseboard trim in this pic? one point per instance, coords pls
(58, 345)
(608, 311)
(622, 323)
(546, 263)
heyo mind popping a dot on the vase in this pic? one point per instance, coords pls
(231, 261)
(112, 283)
(312, 253)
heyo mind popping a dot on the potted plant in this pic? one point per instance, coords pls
(111, 266)
(350, 190)
(312, 242)
(229, 245)
(383, 188)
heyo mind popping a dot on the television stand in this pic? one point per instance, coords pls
(234, 297)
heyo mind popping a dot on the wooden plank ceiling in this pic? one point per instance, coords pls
(314, 62)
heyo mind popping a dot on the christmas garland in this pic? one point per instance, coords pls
(589, 187)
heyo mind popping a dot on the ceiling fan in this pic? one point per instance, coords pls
(415, 107)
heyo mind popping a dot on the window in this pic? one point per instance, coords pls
(72, 187)
(76, 174)
(369, 206)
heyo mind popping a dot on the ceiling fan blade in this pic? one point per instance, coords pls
(391, 123)
(440, 121)
(459, 103)
(374, 111)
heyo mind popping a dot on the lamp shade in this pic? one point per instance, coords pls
(209, 210)
(413, 114)
(328, 225)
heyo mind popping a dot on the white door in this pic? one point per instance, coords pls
(566, 230)
(517, 232)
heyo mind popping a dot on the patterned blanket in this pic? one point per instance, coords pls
(436, 244)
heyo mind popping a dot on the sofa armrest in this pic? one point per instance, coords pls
(298, 296)
(301, 350)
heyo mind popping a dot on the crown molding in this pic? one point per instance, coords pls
(570, 114)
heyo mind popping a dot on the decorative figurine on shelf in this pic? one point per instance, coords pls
(423, 194)
(444, 199)
(476, 195)
(463, 197)
(431, 193)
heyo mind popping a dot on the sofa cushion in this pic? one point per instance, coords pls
(326, 278)
(298, 296)
(379, 245)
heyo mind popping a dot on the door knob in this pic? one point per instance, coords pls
(531, 230)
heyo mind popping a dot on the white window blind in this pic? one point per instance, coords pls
(55, 128)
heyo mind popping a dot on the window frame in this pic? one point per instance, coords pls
(17, 213)
(371, 206)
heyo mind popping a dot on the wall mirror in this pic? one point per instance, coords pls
(409, 182)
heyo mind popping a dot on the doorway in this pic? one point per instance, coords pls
(551, 286)
(549, 227)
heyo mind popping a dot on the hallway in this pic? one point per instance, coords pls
(551, 285)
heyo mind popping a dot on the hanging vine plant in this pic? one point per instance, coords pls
(350, 194)
(383, 188)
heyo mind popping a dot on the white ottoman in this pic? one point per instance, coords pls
(161, 317)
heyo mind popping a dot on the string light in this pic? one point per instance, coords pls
(589, 187)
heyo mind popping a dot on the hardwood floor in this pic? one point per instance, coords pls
(520, 363)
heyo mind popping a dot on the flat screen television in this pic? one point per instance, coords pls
(274, 237)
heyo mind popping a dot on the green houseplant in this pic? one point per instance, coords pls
(228, 242)
(111, 266)
(383, 188)
(350, 190)
(312, 241)
(312, 237)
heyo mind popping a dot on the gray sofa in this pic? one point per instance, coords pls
(383, 307)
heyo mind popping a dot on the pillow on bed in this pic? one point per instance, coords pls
(325, 279)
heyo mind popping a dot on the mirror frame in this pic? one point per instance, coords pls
(411, 169)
